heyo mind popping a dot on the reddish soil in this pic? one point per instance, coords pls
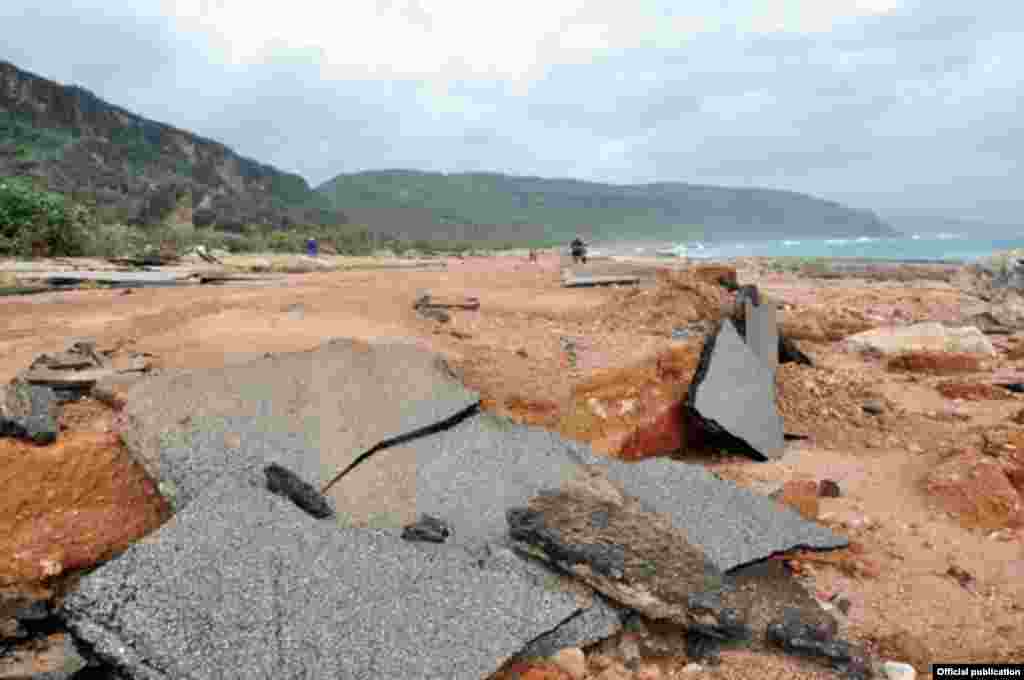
(541, 353)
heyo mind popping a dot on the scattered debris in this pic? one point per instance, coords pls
(894, 670)
(796, 637)
(429, 529)
(284, 482)
(732, 396)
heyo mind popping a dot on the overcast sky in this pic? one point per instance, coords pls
(891, 105)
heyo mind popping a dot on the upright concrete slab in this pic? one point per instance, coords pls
(733, 394)
(242, 584)
(343, 397)
(763, 333)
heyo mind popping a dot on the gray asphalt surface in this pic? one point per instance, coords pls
(241, 584)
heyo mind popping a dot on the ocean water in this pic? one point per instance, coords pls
(916, 247)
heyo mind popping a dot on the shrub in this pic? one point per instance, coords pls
(36, 222)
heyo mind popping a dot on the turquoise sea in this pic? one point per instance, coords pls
(924, 247)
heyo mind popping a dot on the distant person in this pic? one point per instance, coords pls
(533, 255)
(579, 250)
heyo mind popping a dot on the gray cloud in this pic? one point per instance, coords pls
(912, 111)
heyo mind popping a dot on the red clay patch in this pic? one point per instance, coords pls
(71, 505)
(936, 363)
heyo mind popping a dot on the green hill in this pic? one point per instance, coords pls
(435, 205)
(139, 171)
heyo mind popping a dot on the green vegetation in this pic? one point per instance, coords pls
(33, 143)
(563, 207)
(36, 222)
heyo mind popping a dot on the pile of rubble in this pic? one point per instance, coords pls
(321, 529)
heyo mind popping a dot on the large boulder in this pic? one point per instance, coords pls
(927, 337)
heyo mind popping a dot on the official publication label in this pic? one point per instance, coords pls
(978, 670)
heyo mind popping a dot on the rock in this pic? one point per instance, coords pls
(802, 496)
(928, 337)
(829, 488)
(32, 412)
(905, 647)
(284, 482)
(893, 670)
(977, 490)
(874, 407)
(572, 661)
(428, 528)
(732, 395)
(692, 668)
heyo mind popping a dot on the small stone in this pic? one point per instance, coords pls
(914, 448)
(522, 353)
(283, 482)
(843, 605)
(874, 407)
(572, 661)
(829, 488)
(894, 670)
(692, 668)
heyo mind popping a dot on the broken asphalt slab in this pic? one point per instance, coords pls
(344, 397)
(584, 281)
(732, 395)
(244, 585)
(733, 526)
